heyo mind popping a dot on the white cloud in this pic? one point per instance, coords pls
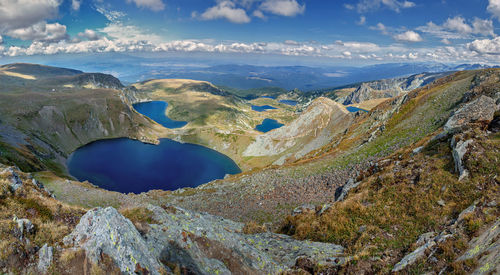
(1, 39)
(494, 8)
(485, 46)
(259, 14)
(226, 10)
(362, 20)
(372, 5)
(154, 5)
(408, 36)
(380, 27)
(16, 14)
(75, 5)
(40, 32)
(124, 32)
(283, 7)
(110, 15)
(89, 34)
(446, 41)
(458, 28)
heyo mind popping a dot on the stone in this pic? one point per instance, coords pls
(13, 178)
(424, 238)
(197, 243)
(486, 249)
(25, 226)
(460, 148)
(104, 230)
(480, 110)
(324, 208)
(418, 150)
(342, 194)
(303, 209)
(419, 253)
(441, 203)
(45, 257)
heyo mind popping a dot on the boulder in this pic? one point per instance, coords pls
(196, 243)
(420, 252)
(105, 230)
(480, 110)
(45, 256)
(12, 177)
(460, 148)
(303, 209)
(24, 226)
(342, 193)
(486, 249)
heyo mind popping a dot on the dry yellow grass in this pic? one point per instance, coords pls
(14, 74)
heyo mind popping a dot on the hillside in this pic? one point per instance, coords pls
(409, 187)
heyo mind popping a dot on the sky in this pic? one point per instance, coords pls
(343, 32)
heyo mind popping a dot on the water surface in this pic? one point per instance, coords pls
(155, 110)
(289, 102)
(126, 165)
(355, 109)
(268, 125)
(262, 108)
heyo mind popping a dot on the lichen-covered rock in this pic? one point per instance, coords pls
(486, 248)
(480, 110)
(45, 256)
(105, 230)
(206, 244)
(420, 252)
(194, 242)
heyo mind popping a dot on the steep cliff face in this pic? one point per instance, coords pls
(387, 88)
(47, 117)
(314, 128)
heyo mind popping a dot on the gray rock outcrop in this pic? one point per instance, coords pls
(342, 194)
(479, 110)
(107, 231)
(45, 256)
(460, 148)
(194, 242)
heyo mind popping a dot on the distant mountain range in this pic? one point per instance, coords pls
(130, 69)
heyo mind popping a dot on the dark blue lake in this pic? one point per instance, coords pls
(268, 96)
(262, 108)
(355, 109)
(289, 102)
(155, 110)
(126, 165)
(268, 125)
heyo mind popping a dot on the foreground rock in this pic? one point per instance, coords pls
(480, 110)
(192, 242)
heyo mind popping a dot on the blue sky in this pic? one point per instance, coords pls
(368, 31)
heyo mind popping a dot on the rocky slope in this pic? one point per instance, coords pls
(53, 111)
(41, 235)
(388, 88)
(314, 128)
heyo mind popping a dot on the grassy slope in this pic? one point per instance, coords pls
(216, 119)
